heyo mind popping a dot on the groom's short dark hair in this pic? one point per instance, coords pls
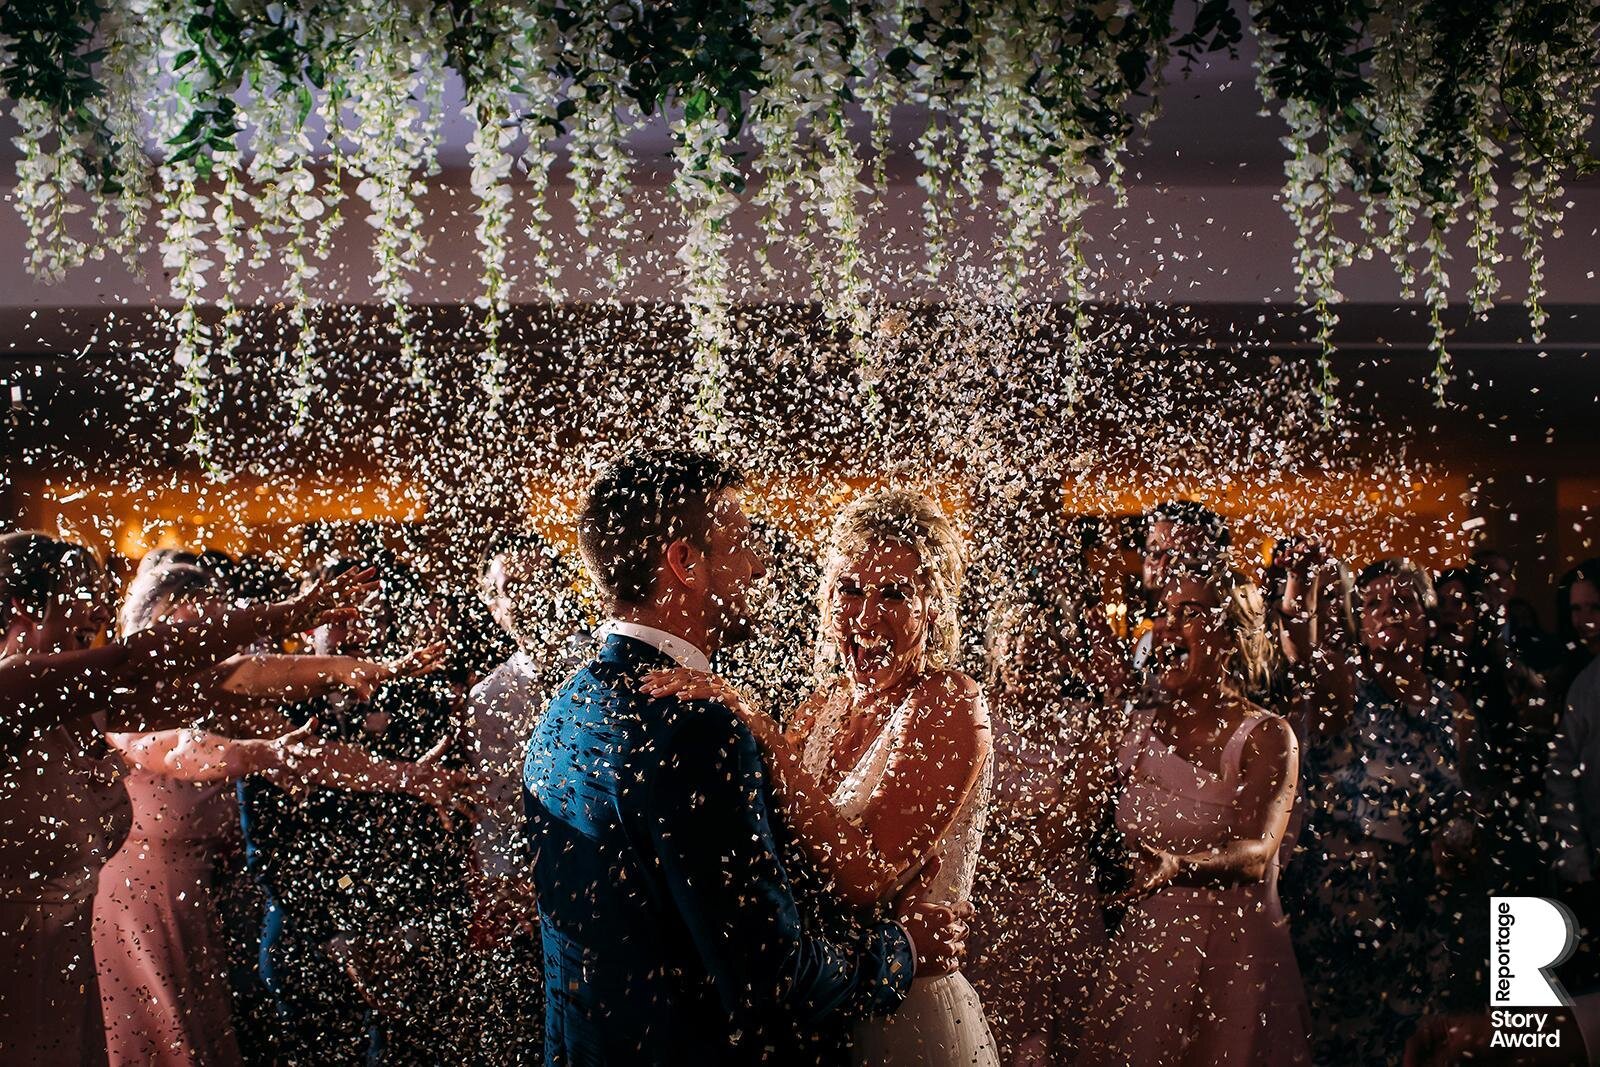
(642, 502)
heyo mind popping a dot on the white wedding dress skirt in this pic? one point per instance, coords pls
(941, 1022)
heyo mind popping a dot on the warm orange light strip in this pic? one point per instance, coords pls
(1360, 518)
(242, 515)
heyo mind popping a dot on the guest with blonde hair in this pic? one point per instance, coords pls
(1388, 826)
(157, 938)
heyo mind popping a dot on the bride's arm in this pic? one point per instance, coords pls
(932, 768)
(839, 849)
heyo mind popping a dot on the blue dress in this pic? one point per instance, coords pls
(1369, 921)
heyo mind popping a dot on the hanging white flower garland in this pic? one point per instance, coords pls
(1033, 100)
(1409, 111)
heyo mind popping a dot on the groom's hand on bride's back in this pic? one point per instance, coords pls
(938, 932)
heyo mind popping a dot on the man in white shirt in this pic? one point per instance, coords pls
(525, 587)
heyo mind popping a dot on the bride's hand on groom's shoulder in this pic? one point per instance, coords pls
(686, 683)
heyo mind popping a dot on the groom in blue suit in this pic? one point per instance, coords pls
(672, 932)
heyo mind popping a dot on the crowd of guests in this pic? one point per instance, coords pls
(1270, 831)
(251, 818)
(254, 823)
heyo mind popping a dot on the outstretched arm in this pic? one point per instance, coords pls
(201, 756)
(704, 805)
(132, 679)
(296, 761)
(38, 692)
(290, 678)
(165, 652)
(932, 768)
(336, 765)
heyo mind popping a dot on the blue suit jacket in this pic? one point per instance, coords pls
(671, 929)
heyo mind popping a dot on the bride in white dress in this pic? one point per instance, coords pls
(884, 772)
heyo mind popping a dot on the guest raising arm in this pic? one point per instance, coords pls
(55, 603)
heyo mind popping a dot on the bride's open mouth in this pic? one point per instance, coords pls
(866, 653)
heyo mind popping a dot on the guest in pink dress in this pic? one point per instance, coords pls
(63, 806)
(157, 939)
(1202, 970)
(158, 943)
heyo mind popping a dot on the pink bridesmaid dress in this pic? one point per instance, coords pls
(64, 810)
(1196, 975)
(157, 935)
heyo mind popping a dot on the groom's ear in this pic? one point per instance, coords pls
(686, 562)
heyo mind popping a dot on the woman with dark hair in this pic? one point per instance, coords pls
(1202, 969)
(61, 787)
(1504, 766)
(1387, 827)
(1572, 783)
(1503, 759)
(1577, 630)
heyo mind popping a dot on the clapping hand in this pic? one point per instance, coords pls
(298, 744)
(279, 759)
(418, 661)
(1155, 868)
(1305, 565)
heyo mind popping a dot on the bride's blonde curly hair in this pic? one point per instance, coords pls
(900, 516)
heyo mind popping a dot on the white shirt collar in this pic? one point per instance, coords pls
(674, 647)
